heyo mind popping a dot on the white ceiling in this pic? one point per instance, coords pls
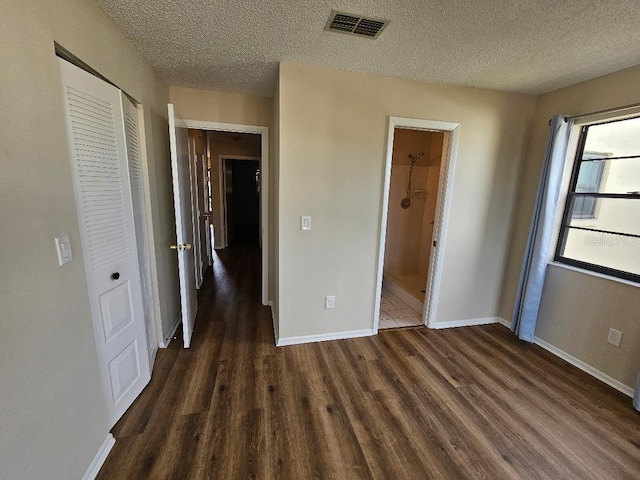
(532, 46)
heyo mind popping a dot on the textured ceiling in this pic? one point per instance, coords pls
(532, 46)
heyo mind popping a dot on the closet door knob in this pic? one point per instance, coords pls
(115, 276)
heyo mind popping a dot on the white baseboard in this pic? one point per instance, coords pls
(576, 362)
(101, 456)
(504, 322)
(167, 340)
(464, 323)
(603, 377)
(274, 321)
(323, 337)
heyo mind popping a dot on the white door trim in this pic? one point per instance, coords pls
(264, 184)
(443, 204)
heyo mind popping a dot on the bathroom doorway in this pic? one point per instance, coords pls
(416, 183)
(415, 171)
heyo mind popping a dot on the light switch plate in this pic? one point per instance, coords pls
(305, 223)
(63, 247)
(329, 301)
(614, 337)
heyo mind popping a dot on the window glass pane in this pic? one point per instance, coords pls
(614, 139)
(609, 176)
(612, 251)
(613, 214)
(590, 176)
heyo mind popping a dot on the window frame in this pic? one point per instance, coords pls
(565, 225)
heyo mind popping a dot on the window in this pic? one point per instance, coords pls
(600, 229)
(589, 181)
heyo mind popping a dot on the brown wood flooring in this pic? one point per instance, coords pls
(406, 404)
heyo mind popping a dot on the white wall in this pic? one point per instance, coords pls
(333, 128)
(577, 308)
(52, 415)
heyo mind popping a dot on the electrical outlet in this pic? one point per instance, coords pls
(329, 301)
(614, 337)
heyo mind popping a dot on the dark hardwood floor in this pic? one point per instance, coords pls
(414, 403)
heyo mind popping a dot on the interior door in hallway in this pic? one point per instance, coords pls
(182, 199)
(96, 137)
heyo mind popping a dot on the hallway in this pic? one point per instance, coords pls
(406, 404)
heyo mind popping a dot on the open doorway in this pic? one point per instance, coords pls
(415, 174)
(238, 153)
(418, 177)
(241, 206)
(237, 187)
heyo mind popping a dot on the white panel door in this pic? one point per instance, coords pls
(181, 172)
(96, 136)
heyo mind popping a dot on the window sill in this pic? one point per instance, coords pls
(594, 274)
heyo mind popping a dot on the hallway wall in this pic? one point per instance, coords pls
(52, 415)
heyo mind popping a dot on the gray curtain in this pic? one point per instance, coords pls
(541, 241)
(636, 395)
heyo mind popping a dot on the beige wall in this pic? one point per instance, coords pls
(53, 418)
(333, 128)
(224, 107)
(577, 308)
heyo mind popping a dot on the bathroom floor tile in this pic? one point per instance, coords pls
(395, 312)
(387, 323)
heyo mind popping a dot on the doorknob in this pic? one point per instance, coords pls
(115, 276)
(184, 246)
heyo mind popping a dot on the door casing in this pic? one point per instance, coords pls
(443, 204)
(264, 185)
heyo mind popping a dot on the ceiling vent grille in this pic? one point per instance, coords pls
(355, 24)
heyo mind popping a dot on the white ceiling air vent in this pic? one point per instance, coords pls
(355, 24)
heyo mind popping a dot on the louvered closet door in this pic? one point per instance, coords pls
(96, 136)
(134, 162)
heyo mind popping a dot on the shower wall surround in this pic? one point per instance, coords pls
(409, 231)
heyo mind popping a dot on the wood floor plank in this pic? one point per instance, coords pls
(413, 403)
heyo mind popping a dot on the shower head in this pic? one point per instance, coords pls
(414, 158)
